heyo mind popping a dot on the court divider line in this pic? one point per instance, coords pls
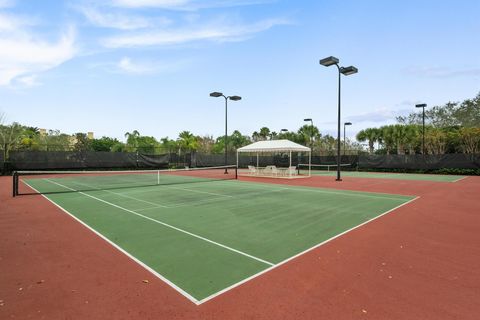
(166, 225)
(146, 267)
(301, 253)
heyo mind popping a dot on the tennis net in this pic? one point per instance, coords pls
(45, 182)
(303, 168)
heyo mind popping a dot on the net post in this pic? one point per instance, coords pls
(158, 177)
(15, 183)
(236, 172)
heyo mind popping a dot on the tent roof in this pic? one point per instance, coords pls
(274, 146)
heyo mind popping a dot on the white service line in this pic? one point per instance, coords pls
(166, 224)
(157, 205)
(198, 191)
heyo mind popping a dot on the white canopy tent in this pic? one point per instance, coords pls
(272, 146)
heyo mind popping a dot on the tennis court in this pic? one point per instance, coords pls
(204, 232)
(349, 171)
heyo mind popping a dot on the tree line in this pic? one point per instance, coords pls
(450, 128)
(19, 137)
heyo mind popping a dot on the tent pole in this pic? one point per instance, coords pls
(290, 163)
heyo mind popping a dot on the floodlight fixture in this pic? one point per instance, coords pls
(329, 61)
(348, 70)
(216, 94)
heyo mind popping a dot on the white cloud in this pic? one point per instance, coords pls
(145, 67)
(219, 33)
(119, 20)
(24, 54)
(128, 66)
(184, 5)
(10, 22)
(7, 3)
(28, 81)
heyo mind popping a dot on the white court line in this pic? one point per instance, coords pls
(459, 179)
(368, 194)
(192, 203)
(198, 191)
(157, 205)
(166, 224)
(185, 204)
(299, 254)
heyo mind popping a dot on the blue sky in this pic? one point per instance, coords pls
(114, 66)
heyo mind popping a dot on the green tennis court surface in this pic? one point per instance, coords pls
(390, 175)
(205, 237)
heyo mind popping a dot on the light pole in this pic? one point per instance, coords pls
(233, 98)
(327, 62)
(344, 139)
(423, 106)
(311, 133)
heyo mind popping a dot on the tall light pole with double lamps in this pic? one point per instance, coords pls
(233, 98)
(423, 106)
(346, 71)
(344, 136)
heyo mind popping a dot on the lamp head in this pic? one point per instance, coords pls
(329, 61)
(348, 70)
(235, 98)
(348, 123)
(422, 105)
(216, 94)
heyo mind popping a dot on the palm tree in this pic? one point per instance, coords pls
(371, 135)
(387, 136)
(132, 139)
(264, 133)
(411, 137)
(308, 133)
(255, 136)
(187, 141)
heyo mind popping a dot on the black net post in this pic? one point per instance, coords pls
(15, 184)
